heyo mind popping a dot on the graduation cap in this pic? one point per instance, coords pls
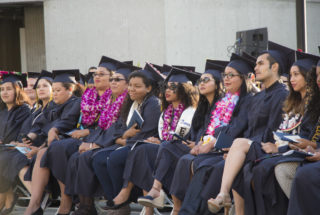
(108, 63)
(152, 73)
(241, 64)
(249, 57)
(66, 76)
(306, 61)
(187, 68)
(125, 69)
(33, 74)
(182, 76)
(89, 77)
(166, 69)
(284, 56)
(83, 79)
(15, 78)
(215, 68)
(44, 75)
(158, 68)
(130, 62)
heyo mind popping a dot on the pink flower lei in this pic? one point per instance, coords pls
(91, 105)
(223, 112)
(170, 123)
(111, 111)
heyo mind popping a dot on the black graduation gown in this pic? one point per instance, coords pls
(81, 178)
(236, 127)
(10, 126)
(64, 117)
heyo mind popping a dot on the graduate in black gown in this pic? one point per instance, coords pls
(53, 124)
(178, 104)
(81, 179)
(205, 155)
(14, 110)
(262, 194)
(30, 90)
(264, 117)
(15, 161)
(94, 101)
(304, 195)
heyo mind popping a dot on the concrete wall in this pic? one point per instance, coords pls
(34, 38)
(185, 32)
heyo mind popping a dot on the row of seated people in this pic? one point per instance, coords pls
(97, 145)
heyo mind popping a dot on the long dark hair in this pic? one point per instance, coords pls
(243, 93)
(186, 93)
(128, 102)
(294, 102)
(314, 98)
(204, 106)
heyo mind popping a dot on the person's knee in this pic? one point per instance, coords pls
(241, 144)
(99, 161)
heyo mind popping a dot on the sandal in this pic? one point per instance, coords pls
(221, 201)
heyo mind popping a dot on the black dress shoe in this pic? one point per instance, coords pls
(39, 211)
(6, 211)
(111, 206)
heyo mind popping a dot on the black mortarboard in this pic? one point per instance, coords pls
(89, 77)
(125, 69)
(187, 68)
(306, 61)
(182, 76)
(33, 74)
(158, 68)
(108, 63)
(166, 69)
(83, 79)
(66, 76)
(152, 73)
(249, 57)
(15, 78)
(129, 62)
(215, 69)
(241, 64)
(44, 75)
(284, 56)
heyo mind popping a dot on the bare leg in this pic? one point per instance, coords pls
(27, 184)
(234, 163)
(124, 194)
(155, 190)
(9, 198)
(65, 202)
(149, 210)
(40, 178)
(177, 205)
(239, 203)
(2, 200)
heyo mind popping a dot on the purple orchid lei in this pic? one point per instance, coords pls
(223, 112)
(91, 105)
(111, 111)
(170, 124)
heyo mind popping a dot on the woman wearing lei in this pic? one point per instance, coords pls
(178, 101)
(96, 103)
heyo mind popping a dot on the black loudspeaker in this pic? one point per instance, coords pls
(252, 41)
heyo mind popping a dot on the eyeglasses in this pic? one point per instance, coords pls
(229, 75)
(172, 87)
(204, 80)
(116, 79)
(99, 74)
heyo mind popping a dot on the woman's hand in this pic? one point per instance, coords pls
(84, 147)
(52, 135)
(121, 141)
(153, 140)
(303, 143)
(131, 132)
(315, 157)
(206, 148)
(269, 148)
(34, 150)
(80, 133)
(195, 149)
